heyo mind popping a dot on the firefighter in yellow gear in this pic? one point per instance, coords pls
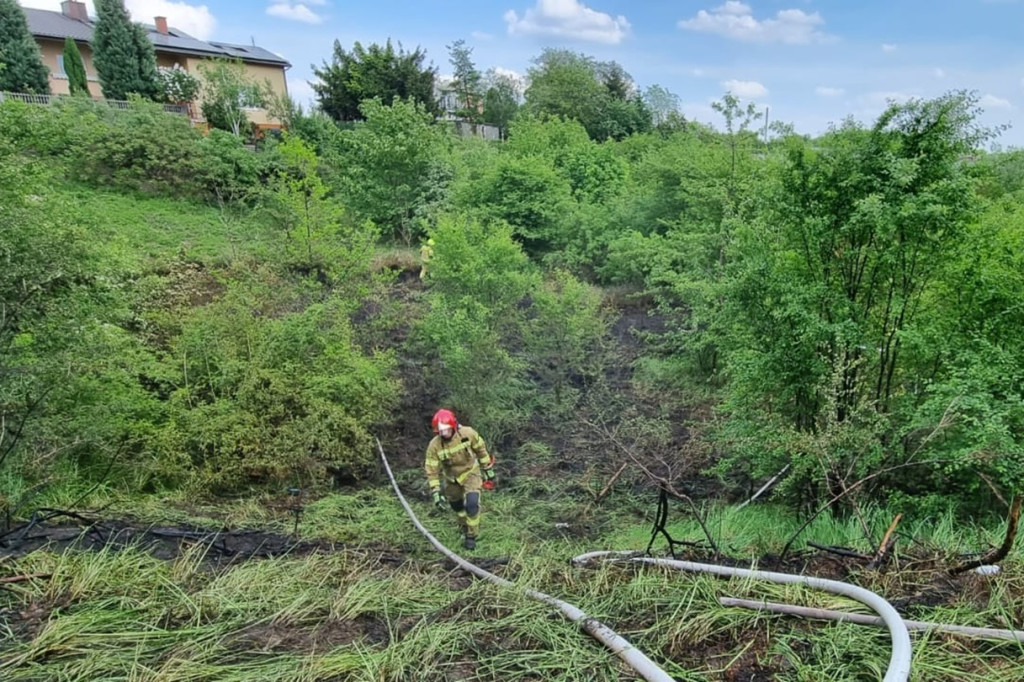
(426, 253)
(458, 467)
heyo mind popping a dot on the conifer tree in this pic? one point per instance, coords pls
(21, 63)
(74, 68)
(124, 57)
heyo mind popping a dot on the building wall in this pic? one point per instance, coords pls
(53, 53)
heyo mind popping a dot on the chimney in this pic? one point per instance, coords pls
(161, 25)
(73, 9)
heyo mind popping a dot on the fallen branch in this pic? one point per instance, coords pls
(23, 578)
(998, 554)
(841, 551)
(611, 482)
(864, 619)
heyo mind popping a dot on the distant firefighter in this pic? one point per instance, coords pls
(426, 253)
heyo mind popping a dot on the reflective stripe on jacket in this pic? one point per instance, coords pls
(456, 458)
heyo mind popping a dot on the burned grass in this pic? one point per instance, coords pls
(117, 599)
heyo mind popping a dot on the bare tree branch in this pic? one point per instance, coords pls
(662, 481)
(998, 554)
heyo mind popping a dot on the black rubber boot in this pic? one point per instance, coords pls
(469, 543)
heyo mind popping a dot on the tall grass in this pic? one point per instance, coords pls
(381, 605)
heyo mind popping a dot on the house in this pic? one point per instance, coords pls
(453, 107)
(172, 46)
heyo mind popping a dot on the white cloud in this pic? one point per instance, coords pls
(516, 79)
(196, 20)
(507, 73)
(939, 73)
(296, 11)
(992, 102)
(568, 19)
(826, 91)
(736, 20)
(888, 47)
(480, 35)
(745, 89)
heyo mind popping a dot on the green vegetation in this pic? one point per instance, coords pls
(227, 92)
(74, 68)
(124, 58)
(362, 612)
(371, 72)
(21, 63)
(618, 300)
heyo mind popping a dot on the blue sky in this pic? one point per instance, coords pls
(810, 62)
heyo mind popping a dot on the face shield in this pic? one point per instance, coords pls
(446, 431)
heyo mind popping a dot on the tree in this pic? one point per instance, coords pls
(365, 73)
(662, 104)
(21, 63)
(316, 240)
(501, 100)
(863, 224)
(467, 81)
(124, 57)
(392, 162)
(228, 92)
(74, 67)
(616, 81)
(600, 95)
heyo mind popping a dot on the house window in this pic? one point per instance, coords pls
(60, 66)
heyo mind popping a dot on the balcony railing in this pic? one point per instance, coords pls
(182, 109)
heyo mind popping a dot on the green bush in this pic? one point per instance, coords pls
(271, 390)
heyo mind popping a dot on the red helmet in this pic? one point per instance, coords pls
(444, 417)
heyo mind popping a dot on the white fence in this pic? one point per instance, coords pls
(182, 109)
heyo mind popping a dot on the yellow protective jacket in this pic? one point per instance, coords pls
(457, 458)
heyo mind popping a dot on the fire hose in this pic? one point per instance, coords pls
(899, 664)
(633, 657)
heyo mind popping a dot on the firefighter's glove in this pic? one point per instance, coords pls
(439, 500)
(490, 478)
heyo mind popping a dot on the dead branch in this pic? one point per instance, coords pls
(883, 549)
(24, 578)
(841, 551)
(945, 421)
(770, 483)
(662, 482)
(611, 482)
(993, 488)
(865, 619)
(998, 554)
